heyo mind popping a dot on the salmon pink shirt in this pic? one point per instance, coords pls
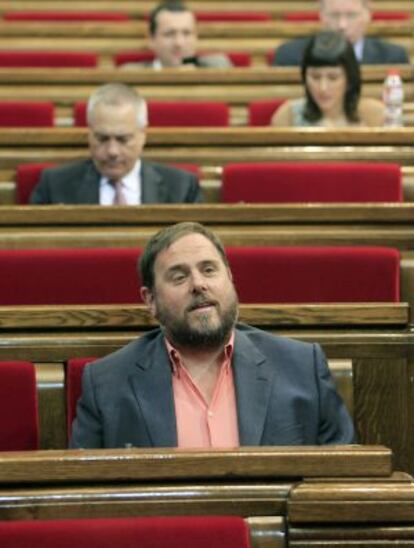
(200, 424)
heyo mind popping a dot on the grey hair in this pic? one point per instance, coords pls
(365, 3)
(118, 94)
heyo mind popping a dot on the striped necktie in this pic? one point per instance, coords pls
(119, 198)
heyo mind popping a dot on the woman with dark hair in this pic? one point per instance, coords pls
(332, 81)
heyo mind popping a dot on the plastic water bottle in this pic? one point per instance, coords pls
(393, 98)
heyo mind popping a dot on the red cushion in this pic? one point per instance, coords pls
(261, 111)
(299, 274)
(301, 16)
(135, 532)
(69, 276)
(27, 177)
(64, 16)
(27, 114)
(238, 58)
(312, 182)
(19, 428)
(174, 113)
(315, 274)
(73, 387)
(47, 59)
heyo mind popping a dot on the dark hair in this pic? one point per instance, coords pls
(167, 236)
(332, 49)
(169, 5)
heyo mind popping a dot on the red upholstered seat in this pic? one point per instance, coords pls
(68, 276)
(47, 59)
(304, 16)
(174, 113)
(27, 177)
(286, 274)
(19, 428)
(315, 274)
(27, 114)
(134, 532)
(311, 182)
(232, 16)
(238, 58)
(73, 387)
(65, 16)
(261, 111)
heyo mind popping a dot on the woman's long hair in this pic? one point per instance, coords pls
(332, 49)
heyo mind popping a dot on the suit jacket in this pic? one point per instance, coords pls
(375, 52)
(78, 183)
(284, 393)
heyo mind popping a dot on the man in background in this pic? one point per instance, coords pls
(173, 39)
(351, 17)
(115, 173)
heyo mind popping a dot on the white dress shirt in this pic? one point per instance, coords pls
(131, 187)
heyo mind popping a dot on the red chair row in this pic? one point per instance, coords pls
(280, 182)
(202, 16)
(287, 275)
(160, 113)
(131, 532)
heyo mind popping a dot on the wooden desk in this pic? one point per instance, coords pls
(375, 338)
(281, 492)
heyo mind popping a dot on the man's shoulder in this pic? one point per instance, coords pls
(265, 340)
(214, 60)
(290, 53)
(167, 170)
(79, 166)
(382, 51)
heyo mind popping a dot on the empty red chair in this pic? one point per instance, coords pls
(315, 274)
(27, 177)
(260, 112)
(65, 16)
(391, 16)
(27, 114)
(238, 58)
(311, 182)
(73, 387)
(48, 59)
(68, 276)
(174, 113)
(301, 16)
(19, 427)
(133, 532)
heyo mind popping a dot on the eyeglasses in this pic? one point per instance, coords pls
(336, 16)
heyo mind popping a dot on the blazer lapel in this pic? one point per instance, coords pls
(153, 189)
(152, 386)
(253, 380)
(88, 188)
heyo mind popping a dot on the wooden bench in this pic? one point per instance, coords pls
(288, 496)
(369, 347)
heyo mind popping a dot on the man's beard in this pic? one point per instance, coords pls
(202, 336)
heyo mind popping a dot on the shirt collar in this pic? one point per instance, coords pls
(131, 179)
(358, 49)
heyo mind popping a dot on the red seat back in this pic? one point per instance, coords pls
(315, 274)
(27, 114)
(174, 113)
(134, 532)
(238, 58)
(260, 112)
(65, 16)
(306, 16)
(47, 59)
(19, 427)
(27, 177)
(73, 387)
(311, 182)
(232, 16)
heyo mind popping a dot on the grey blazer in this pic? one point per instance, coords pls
(284, 392)
(375, 52)
(210, 60)
(78, 183)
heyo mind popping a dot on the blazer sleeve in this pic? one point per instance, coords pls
(40, 194)
(335, 423)
(87, 426)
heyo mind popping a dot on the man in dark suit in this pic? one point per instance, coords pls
(115, 174)
(351, 17)
(201, 379)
